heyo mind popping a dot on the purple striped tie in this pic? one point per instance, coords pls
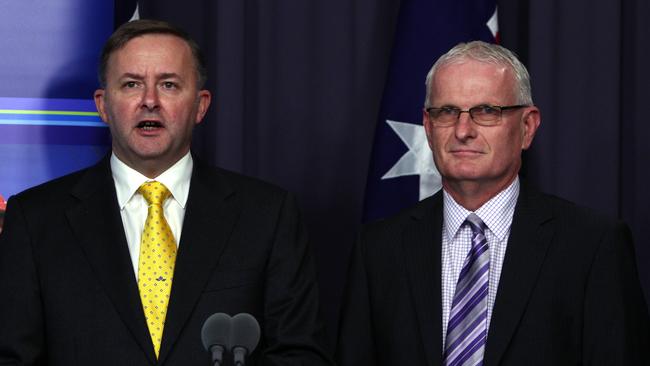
(467, 328)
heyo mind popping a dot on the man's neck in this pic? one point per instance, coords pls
(474, 194)
(149, 168)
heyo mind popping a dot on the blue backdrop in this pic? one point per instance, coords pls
(48, 58)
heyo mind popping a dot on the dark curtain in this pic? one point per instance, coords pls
(589, 61)
(296, 90)
(297, 86)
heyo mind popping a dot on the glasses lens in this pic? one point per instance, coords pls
(485, 113)
(444, 116)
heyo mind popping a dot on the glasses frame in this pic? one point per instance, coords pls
(470, 111)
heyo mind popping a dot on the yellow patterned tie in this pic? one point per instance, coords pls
(156, 264)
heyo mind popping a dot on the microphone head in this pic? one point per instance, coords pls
(216, 331)
(245, 332)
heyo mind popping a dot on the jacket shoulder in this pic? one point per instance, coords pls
(381, 229)
(570, 214)
(252, 192)
(250, 185)
(52, 190)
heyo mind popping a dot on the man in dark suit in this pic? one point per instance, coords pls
(489, 271)
(121, 263)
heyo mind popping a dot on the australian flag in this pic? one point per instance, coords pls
(401, 168)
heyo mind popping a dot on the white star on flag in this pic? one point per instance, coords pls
(417, 160)
(493, 23)
(136, 13)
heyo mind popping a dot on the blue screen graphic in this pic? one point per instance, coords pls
(48, 61)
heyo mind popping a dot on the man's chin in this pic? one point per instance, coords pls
(463, 171)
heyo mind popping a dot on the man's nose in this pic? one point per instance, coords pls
(150, 98)
(465, 128)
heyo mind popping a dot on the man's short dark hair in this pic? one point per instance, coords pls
(137, 28)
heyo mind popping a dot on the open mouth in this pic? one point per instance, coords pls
(149, 125)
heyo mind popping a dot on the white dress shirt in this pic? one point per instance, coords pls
(133, 206)
(457, 241)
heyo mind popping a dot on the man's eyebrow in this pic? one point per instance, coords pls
(165, 75)
(168, 75)
(130, 75)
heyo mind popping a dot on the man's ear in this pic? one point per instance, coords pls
(100, 104)
(204, 99)
(530, 123)
(428, 128)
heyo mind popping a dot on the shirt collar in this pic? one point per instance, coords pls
(176, 179)
(496, 213)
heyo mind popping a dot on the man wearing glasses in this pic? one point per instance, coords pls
(489, 271)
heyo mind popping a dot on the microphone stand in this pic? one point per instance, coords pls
(239, 354)
(217, 354)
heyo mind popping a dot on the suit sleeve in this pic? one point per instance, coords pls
(355, 340)
(617, 325)
(21, 319)
(293, 329)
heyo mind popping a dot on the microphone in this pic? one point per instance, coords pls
(215, 336)
(245, 334)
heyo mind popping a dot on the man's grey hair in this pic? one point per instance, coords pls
(488, 53)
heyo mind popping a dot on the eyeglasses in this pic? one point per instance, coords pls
(483, 115)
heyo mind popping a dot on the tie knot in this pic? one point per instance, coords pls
(154, 192)
(475, 223)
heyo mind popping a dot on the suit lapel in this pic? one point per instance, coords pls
(212, 210)
(422, 248)
(531, 234)
(97, 223)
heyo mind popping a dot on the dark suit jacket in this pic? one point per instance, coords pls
(68, 293)
(569, 293)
